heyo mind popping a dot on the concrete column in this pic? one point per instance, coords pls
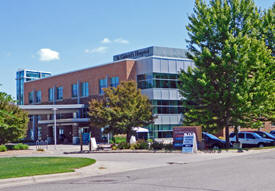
(76, 138)
(54, 126)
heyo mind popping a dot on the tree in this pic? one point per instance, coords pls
(13, 121)
(121, 109)
(233, 82)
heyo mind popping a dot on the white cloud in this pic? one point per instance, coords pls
(121, 40)
(46, 54)
(101, 49)
(106, 40)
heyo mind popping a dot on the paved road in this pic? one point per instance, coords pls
(245, 172)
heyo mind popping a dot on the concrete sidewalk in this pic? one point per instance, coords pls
(108, 163)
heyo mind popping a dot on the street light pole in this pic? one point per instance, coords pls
(54, 126)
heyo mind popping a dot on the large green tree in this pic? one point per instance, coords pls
(121, 109)
(233, 82)
(13, 121)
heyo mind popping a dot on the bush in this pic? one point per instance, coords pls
(157, 146)
(133, 147)
(114, 147)
(141, 144)
(168, 147)
(20, 146)
(3, 148)
(123, 145)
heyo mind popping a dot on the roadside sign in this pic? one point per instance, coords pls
(189, 144)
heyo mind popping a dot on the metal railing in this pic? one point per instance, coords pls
(41, 144)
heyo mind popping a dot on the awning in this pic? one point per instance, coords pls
(140, 130)
(48, 109)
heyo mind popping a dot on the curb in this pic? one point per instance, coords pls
(37, 179)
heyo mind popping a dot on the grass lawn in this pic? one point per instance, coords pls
(29, 166)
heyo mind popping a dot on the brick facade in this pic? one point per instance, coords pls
(125, 70)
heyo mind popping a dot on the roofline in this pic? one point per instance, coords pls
(51, 107)
(24, 69)
(80, 70)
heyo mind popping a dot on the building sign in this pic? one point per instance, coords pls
(135, 54)
(189, 144)
(179, 132)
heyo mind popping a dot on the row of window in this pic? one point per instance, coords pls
(84, 90)
(168, 110)
(157, 80)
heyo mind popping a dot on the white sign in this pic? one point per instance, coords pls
(189, 143)
(93, 144)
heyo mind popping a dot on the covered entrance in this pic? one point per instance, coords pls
(58, 124)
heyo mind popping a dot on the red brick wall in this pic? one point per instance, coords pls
(125, 70)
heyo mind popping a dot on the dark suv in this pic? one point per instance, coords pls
(213, 142)
(264, 134)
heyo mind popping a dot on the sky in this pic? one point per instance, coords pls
(59, 36)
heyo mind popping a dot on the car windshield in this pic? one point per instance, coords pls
(269, 135)
(211, 136)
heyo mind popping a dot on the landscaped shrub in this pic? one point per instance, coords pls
(168, 147)
(157, 146)
(123, 145)
(114, 147)
(3, 148)
(20, 146)
(141, 144)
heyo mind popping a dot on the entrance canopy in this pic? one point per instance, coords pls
(52, 109)
(48, 109)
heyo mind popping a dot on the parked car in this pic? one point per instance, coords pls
(272, 132)
(264, 134)
(249, 139)
(213, 142)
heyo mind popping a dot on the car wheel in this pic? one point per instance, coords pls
(261, 145)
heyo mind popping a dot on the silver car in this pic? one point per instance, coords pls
(249, 139)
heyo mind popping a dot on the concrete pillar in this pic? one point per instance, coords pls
(76, 138)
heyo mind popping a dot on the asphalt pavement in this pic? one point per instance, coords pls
(253, 172)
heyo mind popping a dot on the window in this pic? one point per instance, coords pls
(50, 94)
(167, 106)
(102, 84)
(33, 74)
(44, 75)
(114, 82)
(157, 80)
(38, 96)
(241, 136)
(59, 93)
(250, 136)
(74, 90)
(84, 89)
(30, 97)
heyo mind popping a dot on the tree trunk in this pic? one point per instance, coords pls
(227, 136)
(128, 137)
(237, 134)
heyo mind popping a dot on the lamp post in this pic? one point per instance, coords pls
(54, 126)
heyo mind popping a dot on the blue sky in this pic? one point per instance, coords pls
(64, 35)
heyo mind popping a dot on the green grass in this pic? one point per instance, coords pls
(120, 139)
(29, 166)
